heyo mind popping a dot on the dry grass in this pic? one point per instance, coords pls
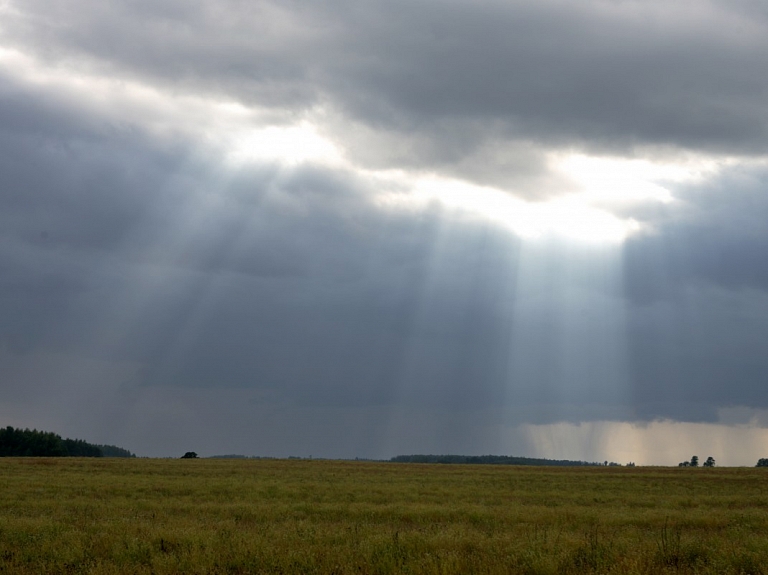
(272, 516)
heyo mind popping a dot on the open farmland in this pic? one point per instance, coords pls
(297, 516)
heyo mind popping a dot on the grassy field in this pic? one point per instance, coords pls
(298, 516)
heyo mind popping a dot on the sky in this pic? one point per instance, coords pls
(362, 229)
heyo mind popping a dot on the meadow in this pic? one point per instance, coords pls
(72, 515)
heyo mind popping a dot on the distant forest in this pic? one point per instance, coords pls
(26, 443)
(486, 459)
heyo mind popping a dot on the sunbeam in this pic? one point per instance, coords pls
(568, 344)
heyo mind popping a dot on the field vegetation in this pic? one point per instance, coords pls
(78, 515)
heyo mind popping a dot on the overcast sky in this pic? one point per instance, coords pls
(369, 228)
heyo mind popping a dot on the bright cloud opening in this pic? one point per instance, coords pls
(620, 180)
(585, 215)
(567, 217)
(288, 144)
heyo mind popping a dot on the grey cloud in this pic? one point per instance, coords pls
(698, 294)
(694, 355)
(713, 233)
(444, 80)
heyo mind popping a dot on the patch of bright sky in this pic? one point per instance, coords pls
(569, 216)
(648, 443)
(607, 180)
(293, 144)
(584, 215)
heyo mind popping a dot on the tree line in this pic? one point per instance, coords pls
(34, 443)
(487, 459)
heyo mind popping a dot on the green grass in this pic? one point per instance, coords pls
(298, 516)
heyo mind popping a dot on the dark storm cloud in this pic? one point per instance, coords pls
(698, 293)
(713, 233)
(697, 354)
(439, 82)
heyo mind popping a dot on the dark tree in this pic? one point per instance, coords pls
(189, 455)
(710, 462)
(26, 443)
(695, 461)
(763, 462)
